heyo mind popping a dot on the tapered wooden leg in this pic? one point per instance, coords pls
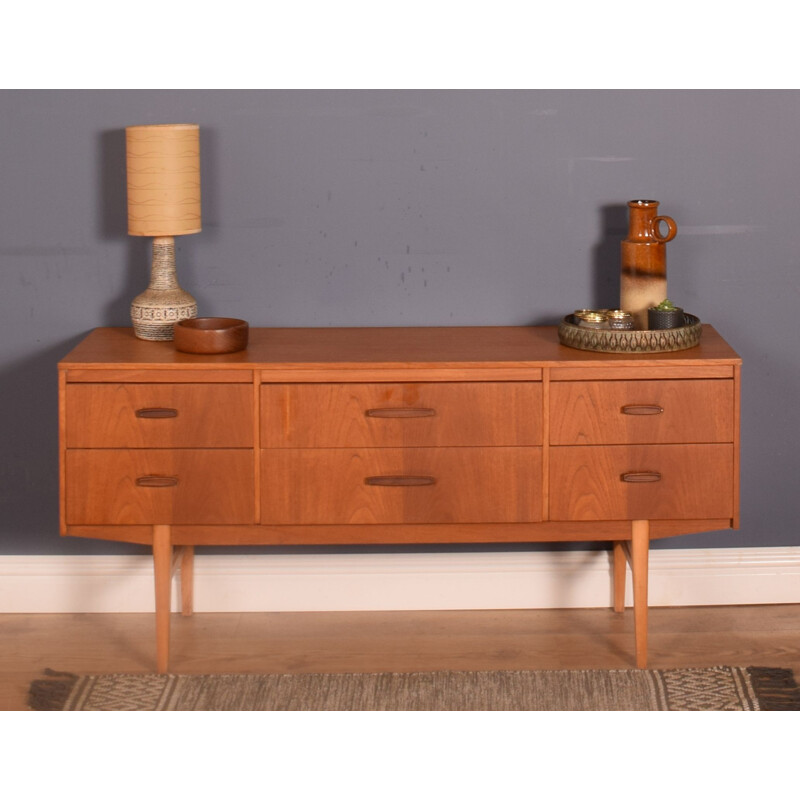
(162, 565)
(187, 580)
(640, 550)
(620, 568)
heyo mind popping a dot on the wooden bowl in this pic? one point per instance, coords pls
(211, 335)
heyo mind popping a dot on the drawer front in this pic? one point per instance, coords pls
(159, 415)
(642, 482)
(641, 412)
(401, 415)
(392, 485)
(159, 487)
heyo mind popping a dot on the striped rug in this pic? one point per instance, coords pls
(701, 689)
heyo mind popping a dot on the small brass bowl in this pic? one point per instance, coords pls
(619, 320)
(211, 335)
(592, 319)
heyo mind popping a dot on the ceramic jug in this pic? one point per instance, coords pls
(643, 281)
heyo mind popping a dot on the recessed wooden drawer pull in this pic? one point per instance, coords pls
(642, 410)
(156, 481)
(641, 477)
(400, 480)
(400, 413)
(156, 413)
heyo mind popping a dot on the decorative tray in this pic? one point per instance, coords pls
(606, 340)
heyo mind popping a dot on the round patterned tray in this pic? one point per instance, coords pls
(611, 341)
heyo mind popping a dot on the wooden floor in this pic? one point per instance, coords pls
(393, 641)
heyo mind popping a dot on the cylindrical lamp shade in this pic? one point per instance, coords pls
(163, 180)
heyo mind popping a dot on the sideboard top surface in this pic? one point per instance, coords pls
(419, 347)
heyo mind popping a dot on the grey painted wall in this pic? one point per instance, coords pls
(404, 208)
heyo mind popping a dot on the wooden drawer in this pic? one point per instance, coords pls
(123, 487)
(641, 412)
(642, 482)
(340, 486)
(401, 415)
(159, 415)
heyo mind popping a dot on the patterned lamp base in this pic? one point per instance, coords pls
(155, 311)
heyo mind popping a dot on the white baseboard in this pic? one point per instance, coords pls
(264, 582)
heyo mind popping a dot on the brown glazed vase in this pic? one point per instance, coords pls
(643, 281)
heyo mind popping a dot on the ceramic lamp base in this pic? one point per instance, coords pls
(154, 313)
(156, 310)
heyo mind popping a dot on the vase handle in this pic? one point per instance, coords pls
(655, 229)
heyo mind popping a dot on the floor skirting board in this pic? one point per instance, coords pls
(264, 582)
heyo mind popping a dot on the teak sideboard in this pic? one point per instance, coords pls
(343, 436)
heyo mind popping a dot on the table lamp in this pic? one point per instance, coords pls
(163, 202)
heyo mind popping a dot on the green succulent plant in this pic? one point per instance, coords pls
(666, 305)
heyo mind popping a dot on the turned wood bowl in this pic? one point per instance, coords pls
(211, 335)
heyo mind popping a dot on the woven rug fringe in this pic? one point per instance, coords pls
(50, 693)
(777, 689)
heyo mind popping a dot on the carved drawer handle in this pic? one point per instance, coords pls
(156, 481)
(400, 480)
(156, 413)
(641, 477)
(642, 410)
(400, 413)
